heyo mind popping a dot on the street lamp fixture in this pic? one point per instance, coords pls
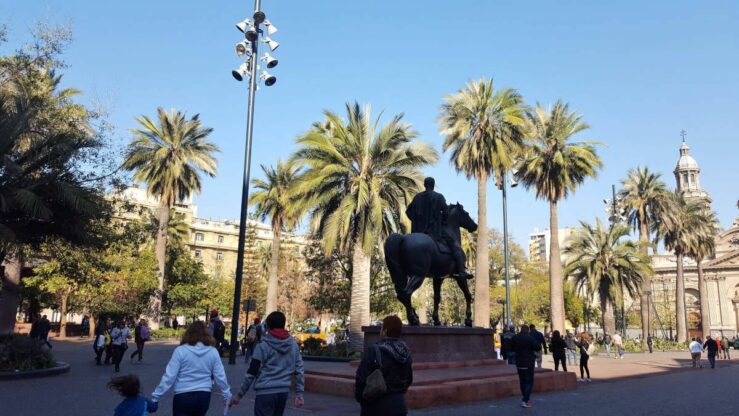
(250, 49)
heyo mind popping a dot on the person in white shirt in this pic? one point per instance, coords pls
(194, 365)
(119, 343)
(696, 349)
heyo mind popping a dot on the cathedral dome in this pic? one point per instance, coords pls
(686, 162)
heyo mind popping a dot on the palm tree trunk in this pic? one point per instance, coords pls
(703, 296)
(681, 318)
(556, 279)
(273, 273)
(645, 285)
(161, 254)
(63, 315)
(609, 320)
(482, 268)
(10, 294)
(360, 302)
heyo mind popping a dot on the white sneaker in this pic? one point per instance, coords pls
(589, 380)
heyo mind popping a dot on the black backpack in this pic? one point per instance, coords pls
(219, 330)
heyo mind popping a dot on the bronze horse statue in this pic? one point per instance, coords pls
(413, 257)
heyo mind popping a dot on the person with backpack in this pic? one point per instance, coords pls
(274, 363)
(525, 347)
(141, 335)
(584, 345)
(385, 373)
(253, 336)
(217, 329)
(119, 337)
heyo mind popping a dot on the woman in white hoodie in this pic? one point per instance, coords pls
(191, 370)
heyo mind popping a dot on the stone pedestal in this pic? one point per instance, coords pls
(450, 365)
(442, 343)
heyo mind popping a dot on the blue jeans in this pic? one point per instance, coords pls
(270, 404)
(571, 356)
(608, 349)
(712, 359)
(192, 403)
(511, 356)
(526, 381)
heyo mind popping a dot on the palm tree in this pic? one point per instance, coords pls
(555, 167)
(643, 195)
(169, 156)
(44, 138)
(272, 200)
(703, 246)
(357, 182)
(483, 129)
(602, 264)
(684, 220)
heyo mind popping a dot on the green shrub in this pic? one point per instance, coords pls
(21, 353)
(315, 347)
(165, 333)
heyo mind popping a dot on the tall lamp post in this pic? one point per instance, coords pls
(249, 48)
(506, 260)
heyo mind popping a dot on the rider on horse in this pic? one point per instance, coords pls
(427, 213)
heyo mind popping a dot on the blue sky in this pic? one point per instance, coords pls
(639, 72)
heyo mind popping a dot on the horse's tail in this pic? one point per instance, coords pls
(392, 258)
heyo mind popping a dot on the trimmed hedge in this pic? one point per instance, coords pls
(21, 353)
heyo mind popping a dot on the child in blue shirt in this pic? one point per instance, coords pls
(134, 403)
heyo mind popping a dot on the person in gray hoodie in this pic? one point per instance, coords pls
(273, 364)
(193, 368)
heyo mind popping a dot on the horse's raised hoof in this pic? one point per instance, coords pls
(468, 323)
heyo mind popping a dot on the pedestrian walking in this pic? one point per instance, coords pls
(506, 346)
(141, 336)
(725, 347)
(271, 369)
(119, 337)
(695, 349)
(607, 343)
(525, 347)
(711, 347)
(618, 343)
(720, 351)
(650, 341)
(388, 359)
(99, 344)
(43, 327)
(539, 338)
(192, 370)
(85, 327)
(558, 347)
(217, 330)
(134, 404)
(585, 351)
(253, 337)
(571, 348)
(175, 323)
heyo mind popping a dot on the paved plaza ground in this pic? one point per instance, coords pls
(655, 384)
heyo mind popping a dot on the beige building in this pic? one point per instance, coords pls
(721, 272)
(213, 242)
(539, 243)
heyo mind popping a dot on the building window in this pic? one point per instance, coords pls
(198, 254)
(199, 237)
(220, 239)
(692, 179)
(219, 256)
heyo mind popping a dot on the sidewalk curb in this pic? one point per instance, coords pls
(61, 368)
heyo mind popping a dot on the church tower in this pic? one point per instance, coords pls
(688, 174)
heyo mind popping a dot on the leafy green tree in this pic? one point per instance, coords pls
(483, 131)
(169, 155)
(684, 221)
(358, 179)
(643, 195)
(272, 201)
(602, 265)
(554, 166)
(47, 145)
(187, 283)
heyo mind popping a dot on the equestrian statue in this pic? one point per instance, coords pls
(433, 249)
